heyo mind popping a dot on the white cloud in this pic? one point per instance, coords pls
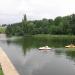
(13, 10)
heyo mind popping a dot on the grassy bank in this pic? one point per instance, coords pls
(48, 35)
(1, 72)
(57, 37)
(2, 29)
(66, 39)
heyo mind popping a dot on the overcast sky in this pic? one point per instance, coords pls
(12, 11)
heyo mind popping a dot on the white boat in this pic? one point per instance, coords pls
(45, 48)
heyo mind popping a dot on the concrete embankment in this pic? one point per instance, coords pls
(7, 66)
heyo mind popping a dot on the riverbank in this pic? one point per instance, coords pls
(45, 36)
(58, 38)
(1, 71)
(48, 35)
(2, 29)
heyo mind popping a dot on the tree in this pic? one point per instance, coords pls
(72, 23)
(60, 25)
(25, 18)
(58, 20)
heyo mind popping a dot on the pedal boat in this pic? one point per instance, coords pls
(45, 48)
(70, 46)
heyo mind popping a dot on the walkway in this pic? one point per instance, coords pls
(7, 66)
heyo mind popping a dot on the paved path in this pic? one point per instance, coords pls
(7, 66)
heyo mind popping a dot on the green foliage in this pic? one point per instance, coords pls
(60, 25)
(2, 29)
(1, 72)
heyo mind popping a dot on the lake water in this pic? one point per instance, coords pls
(28, 60)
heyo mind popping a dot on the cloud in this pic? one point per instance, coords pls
(11, 10)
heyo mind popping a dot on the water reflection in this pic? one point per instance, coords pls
(28, 60)
(30, 42)
(70, 55)
(58, 52)
(36, 60)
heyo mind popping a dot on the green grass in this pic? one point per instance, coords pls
(1, 72)
(48, 35)
(2, 29)
(58, 40)
(57, 37)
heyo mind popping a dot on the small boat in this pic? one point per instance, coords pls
(45, 48)
(70, 46)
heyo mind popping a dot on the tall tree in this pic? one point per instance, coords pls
(25, 17)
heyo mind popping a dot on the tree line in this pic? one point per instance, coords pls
(59, 25)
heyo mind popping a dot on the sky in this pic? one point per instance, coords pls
(12, 11)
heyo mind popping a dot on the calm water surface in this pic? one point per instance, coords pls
(28, 60)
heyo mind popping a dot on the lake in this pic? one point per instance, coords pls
(28, 60)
